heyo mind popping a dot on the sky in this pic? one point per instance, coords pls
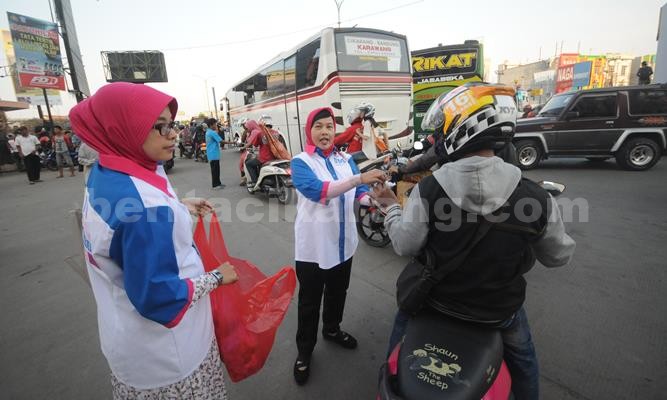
(211, 43)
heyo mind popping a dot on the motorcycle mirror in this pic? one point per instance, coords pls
(554, 188)
(418, 145)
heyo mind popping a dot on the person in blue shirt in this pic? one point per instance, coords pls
(213, 141)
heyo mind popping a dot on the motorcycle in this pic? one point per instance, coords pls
(370, 219)
(275, 179)
(169, 164)
(47, 159)
(444, 357)
(201, 153)
(187, 149)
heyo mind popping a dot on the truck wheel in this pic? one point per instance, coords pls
(638, 154)
(529, 153)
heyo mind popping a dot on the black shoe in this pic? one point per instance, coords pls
(341, 338)
(301, 370)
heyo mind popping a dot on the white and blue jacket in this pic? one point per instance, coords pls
(141, 258)
(325, 230)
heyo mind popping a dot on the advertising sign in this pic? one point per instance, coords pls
(371, 47)
(581, 74)
(564, 77)
(544, 76)
(439, 63)
(37, 50)
(566, 59)
(29, 95)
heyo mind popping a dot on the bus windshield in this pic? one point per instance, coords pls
(370, 51)
(555, 106)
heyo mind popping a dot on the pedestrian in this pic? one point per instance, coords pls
(213, 141)
(327, 183)
(481, 194)
(644, 74)
(87, 157)
(14, 150)
(152, 294)
(5, 149)
(27, 146)
(62, 148)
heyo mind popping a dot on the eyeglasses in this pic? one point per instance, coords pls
(164, 128)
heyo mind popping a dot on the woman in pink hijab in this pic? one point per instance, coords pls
(154, 313)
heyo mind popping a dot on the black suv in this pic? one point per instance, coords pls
(629, 123)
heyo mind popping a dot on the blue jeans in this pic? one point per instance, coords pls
(519, 352)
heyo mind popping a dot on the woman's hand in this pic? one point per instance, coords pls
(373, 177)
(383, 195)
(228, 273)
(198, 206)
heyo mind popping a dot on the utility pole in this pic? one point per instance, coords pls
(338, 5)
(215, 104)
(70, 58)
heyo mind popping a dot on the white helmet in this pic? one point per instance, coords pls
(266, 120)
(242, 121)
(361, 110)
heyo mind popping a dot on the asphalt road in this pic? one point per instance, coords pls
(599, 324)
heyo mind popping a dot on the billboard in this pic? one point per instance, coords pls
(37, 51)
(566, 59)
(581, 74)
(29, 95)
(564, 77)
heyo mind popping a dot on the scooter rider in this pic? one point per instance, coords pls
(257, 139)
(442, 214)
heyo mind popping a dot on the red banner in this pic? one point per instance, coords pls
(42, 81)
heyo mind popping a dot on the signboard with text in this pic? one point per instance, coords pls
(372, 47)
(564, 77)
(32, 96)
(37, 51)
(581, 74)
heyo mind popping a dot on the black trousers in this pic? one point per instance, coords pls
(254, 165)
(313, 283)
(215, 173)
(32, 166)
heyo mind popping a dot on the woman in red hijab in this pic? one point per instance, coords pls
(154, 313)
(325, 237)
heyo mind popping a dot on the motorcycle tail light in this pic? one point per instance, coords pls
(393, 360)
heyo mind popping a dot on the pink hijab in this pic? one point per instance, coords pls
(310, 145)
(116, 121)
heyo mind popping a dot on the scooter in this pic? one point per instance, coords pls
(441, 357)
(275, 179)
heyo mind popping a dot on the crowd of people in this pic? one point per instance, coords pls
(148, 279)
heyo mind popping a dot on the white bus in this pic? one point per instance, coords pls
(336, 68)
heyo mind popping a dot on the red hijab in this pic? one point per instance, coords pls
(116, 121)
(310, 145)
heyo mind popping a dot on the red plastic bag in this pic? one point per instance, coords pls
(246, 314)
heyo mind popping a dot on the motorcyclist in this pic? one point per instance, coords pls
(257, 139)
(353, 135)
(445, 211)
(198, 138)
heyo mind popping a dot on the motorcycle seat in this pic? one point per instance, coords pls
(446, 358)
(359, 156)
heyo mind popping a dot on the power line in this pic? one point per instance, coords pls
(203, 46)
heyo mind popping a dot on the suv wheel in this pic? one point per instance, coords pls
(529, 153)
(638, 154)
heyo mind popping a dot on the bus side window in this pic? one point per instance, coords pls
(307, 64)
